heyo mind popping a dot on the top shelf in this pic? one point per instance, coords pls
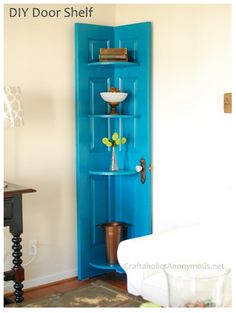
(113, 64)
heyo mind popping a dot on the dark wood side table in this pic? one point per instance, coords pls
(13, 218)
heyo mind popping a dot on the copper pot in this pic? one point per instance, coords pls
(114, 233)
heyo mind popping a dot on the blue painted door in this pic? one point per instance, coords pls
(102, 196)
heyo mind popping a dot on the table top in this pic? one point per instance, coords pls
(13, 189)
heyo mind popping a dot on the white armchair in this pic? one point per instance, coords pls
(143, 258)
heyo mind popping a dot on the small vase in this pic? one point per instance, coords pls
(114, 165)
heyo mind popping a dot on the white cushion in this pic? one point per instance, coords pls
(155, 289)
(186, 245)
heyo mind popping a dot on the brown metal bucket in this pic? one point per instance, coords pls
(114, 232)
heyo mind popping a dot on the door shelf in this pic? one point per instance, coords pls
(112, 116)
(113, 173)
(106, 266)
(115, 64)
(101, 193)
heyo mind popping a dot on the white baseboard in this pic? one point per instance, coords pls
(8, 286)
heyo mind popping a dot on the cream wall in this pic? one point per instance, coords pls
(191, 134)
(39, 57)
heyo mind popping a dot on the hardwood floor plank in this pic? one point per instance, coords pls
(115, 279)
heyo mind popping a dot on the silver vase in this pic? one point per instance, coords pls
(114, 165)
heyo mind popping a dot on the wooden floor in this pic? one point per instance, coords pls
(115, 279)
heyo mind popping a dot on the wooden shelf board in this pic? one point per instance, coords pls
(113, 173)
(114, 64)
(104, 265)
(111, 116)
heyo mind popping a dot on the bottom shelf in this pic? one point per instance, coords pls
(106, 266)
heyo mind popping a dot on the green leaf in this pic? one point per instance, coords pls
(115, 136)
(123, 140)
(105, 140)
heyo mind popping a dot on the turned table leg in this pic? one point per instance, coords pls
(17, 268)
(13, 219)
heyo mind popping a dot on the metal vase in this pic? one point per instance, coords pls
(114, 165)
(114, 232)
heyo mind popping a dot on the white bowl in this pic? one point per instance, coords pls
(113, 97)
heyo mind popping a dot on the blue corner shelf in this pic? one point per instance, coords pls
(105, 266)
(104, 195)
(113, 64)
(113, 173)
